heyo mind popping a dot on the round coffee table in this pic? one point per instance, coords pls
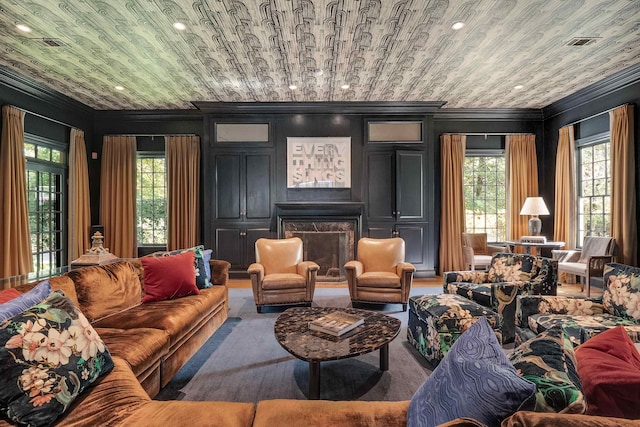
(292, 332)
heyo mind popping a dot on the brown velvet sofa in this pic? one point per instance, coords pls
(150, 342)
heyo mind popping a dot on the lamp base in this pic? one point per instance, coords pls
(535, 226)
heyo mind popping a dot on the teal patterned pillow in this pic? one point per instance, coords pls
(474, 380)
(548, 360)
(49, 354)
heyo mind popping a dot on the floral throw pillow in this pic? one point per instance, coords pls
(49, 354)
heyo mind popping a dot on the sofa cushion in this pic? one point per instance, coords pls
(24, 301)
(475, 380)
(609, 367)
(49, 354)
(8, 295)
(379, 279)
(169, 277)
(582, 328)
(542, 419)
(199, 268)
(283, 281)
(548, 361)
(321, 413)
(510, 267)
(140, 347)
(106, 289)
(206, 259)
(177, 317)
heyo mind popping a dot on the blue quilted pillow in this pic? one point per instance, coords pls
(474, 380)
(24, 301)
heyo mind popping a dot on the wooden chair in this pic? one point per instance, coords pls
(477, 252)
(587, 262)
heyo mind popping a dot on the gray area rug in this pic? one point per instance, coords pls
(242, 361)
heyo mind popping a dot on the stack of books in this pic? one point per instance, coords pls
(336, 323)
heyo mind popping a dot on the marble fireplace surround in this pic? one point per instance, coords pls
(329, 230)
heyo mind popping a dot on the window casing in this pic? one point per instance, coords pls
(151, 199)
(46, 201)
(593, 169)
(485, 194)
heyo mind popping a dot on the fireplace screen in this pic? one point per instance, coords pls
(328, 243)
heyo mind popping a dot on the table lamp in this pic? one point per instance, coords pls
(534, 206)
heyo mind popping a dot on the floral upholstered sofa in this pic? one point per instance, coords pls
(583, 318)
(509, 275)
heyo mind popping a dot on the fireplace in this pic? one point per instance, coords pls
(329, 232)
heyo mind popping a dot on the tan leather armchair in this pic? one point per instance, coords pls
(477, 252)
(380, 274)
(280, 276)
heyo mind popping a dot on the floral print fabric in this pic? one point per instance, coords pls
(548, 361)
(437, 321)
(622, 296)
(510, 275)
(49, 354)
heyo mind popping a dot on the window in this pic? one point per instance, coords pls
(594, 187)
(46, 201)
(485, 195)
(151, 199)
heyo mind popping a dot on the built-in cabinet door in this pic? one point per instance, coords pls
(409, 185)
(415, 238)
(243, 186)
(381, 186)
(228, 184)
(237, 244)
(395, 186)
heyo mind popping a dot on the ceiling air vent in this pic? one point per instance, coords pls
(53, 42)
(582, 41)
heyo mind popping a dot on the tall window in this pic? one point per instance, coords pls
(46, 198)
(594, 187)
(151, 199)
(485, 195)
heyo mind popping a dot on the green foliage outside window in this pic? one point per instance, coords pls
(151, 201)
(485, 196)
(594, 187)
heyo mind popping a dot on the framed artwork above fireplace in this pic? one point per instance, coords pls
(318, 162)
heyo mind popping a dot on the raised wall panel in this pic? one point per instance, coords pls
(258, 186)
(381, 186)
(227, 186)
(410, 185)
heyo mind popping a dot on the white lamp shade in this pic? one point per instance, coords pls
(534, 206)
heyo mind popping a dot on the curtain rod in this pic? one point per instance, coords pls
(43, 117)
(150, 134)
(595, 115)
(489, 133)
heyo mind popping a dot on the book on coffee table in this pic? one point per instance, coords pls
(336, 323)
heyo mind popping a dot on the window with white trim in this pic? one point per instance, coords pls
(485, 195)
(593, 169)
(151, 199)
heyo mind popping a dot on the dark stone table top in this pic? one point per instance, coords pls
(292, 332)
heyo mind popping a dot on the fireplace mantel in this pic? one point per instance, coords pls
(319, 208)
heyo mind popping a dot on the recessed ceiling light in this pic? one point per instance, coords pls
(518, 87)
(345, 86)
(24, 28)
(119, 88)
(319, 73)
(457, 25)
(179, 26)
(292, 87)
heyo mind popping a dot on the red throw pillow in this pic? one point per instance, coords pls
(609, 369)
(168, 277)
(9, 294)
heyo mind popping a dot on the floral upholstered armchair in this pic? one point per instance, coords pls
(584, 318)
(508, 276)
